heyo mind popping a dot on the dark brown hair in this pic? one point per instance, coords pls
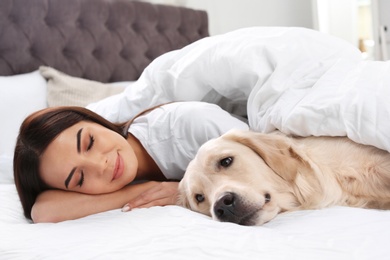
(36, 132)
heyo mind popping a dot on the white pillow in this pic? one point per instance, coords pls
(6, 170)
(20, 95)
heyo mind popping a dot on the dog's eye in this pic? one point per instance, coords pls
(267, 197)
(199, 198)
(225, 162)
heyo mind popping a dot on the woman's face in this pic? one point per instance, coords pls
(88, 158)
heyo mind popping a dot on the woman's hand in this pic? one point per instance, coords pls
(160, 194)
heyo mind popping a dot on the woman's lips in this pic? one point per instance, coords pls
(118, 170)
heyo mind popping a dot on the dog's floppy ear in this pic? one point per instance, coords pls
(182, 199)
(277, 151)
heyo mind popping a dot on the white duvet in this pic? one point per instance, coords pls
(296, 80)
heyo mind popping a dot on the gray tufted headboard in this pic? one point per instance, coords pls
(103, 40)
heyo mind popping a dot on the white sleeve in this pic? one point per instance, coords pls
(198, 122)
(173, 133)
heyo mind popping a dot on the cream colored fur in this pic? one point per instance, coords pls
(272, 173)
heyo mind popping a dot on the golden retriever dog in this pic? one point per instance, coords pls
(248, 178)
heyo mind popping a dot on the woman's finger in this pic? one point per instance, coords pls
(162, 194)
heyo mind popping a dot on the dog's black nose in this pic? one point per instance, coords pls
(231, 207)
(224, 207)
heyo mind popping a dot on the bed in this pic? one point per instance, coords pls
(121, 55)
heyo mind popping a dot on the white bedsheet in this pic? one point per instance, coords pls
(176, 233)
(296, 80)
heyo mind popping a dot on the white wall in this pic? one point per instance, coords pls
(338, 18)
(381, 20)
(228, 15)
(335, 17)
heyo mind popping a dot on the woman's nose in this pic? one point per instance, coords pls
(96, 164)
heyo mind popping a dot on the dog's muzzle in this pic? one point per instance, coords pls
(230, 207)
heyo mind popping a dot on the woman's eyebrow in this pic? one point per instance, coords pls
(78, 136)
(69, 177)
(79, 139)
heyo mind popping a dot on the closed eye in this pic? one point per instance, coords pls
(91, 142)
(81, 181)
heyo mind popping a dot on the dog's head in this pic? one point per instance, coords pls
(242, 177)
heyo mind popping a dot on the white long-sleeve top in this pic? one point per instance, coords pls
(173, 133)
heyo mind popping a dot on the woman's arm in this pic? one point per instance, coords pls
(59, 205)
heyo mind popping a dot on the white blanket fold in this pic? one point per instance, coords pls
(296, 80)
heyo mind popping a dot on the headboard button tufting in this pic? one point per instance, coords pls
(112, 40)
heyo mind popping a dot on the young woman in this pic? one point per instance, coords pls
(70, 162)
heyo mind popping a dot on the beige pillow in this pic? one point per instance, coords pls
(65, 90)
